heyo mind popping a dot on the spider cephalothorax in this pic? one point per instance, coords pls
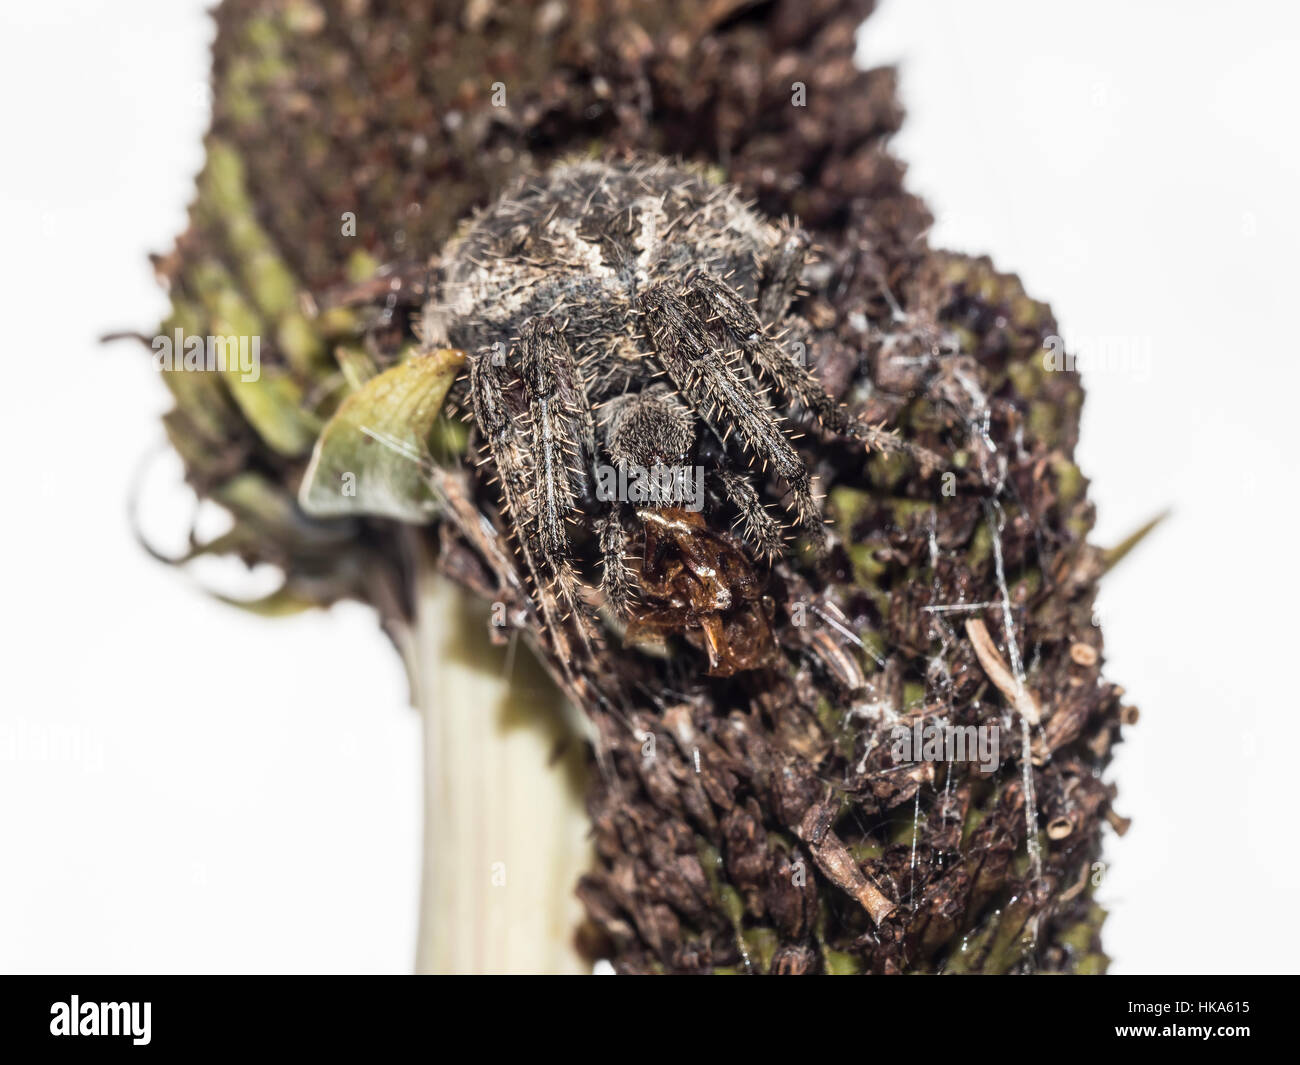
(623, 315)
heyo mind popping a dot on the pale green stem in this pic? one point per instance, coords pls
(505, 831)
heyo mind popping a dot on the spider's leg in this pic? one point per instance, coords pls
(727, 310)
(615, 581)
(502, 421)
(780, 274)
(563, 435)
(453, 488)
(759, 528)
(684, 346)
(562, 443)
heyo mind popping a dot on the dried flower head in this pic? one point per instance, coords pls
(754, 808)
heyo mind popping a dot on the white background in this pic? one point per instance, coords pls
(185, 788)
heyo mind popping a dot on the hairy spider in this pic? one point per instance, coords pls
(623, 314)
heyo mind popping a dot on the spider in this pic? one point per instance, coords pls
(631, 314)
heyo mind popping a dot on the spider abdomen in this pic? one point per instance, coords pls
(580, 243)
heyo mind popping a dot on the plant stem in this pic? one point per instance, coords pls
(504, 822)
